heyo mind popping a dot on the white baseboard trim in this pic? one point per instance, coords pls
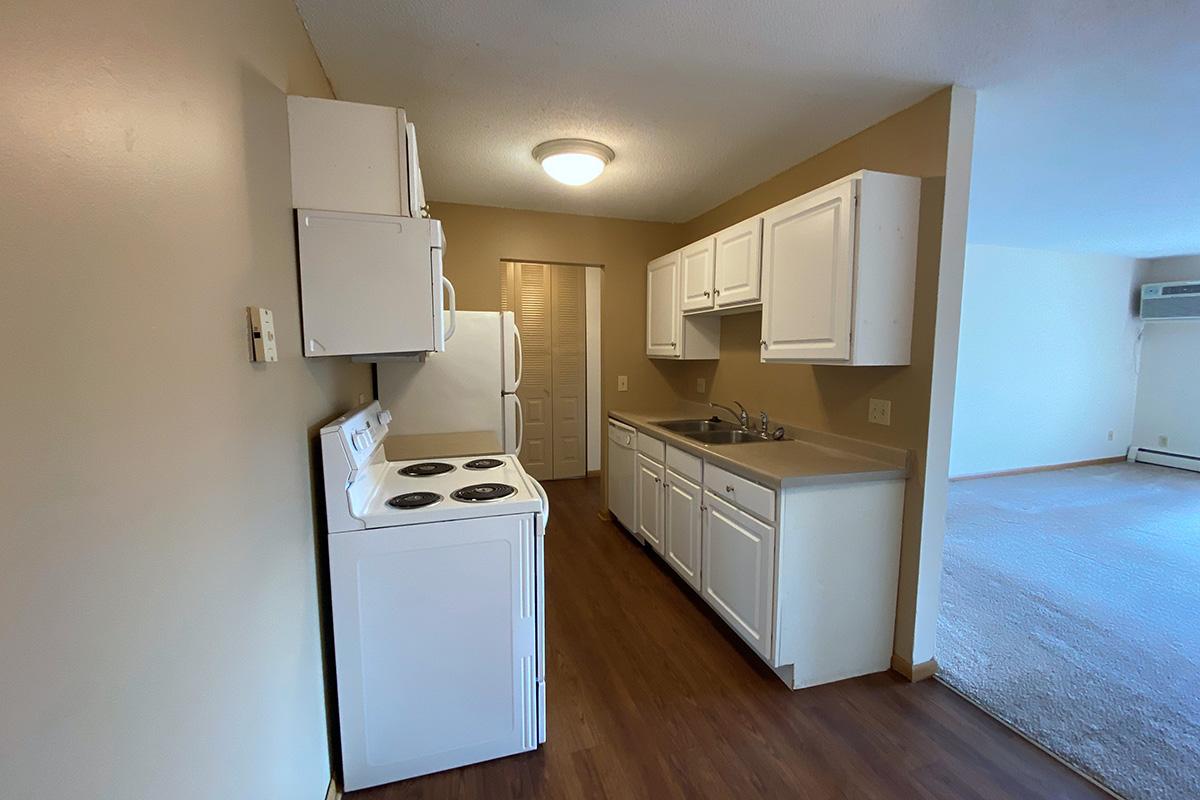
(333, 792)
(1164, 459)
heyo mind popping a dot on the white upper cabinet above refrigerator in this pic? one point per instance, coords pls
(353, 157)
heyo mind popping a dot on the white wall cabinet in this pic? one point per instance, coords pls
(682, 522)
(834, 272)
(839, 273)
(353, 157)
(697, 263)
(663, 321)
(738, 267)
(668, 333)
(738, 571)
(650, 474)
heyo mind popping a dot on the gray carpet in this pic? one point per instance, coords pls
(1071, 609)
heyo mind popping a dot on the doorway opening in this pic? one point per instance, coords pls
(557, 310)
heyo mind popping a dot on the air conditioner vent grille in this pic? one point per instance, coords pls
(1176, 300)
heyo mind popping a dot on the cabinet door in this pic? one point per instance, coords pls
(681, 527)
(739, 264)
(697, 265)
(738, 571)
(349, 157)
(662, 307)
(390, 302)
(808, 265)
(649, 501)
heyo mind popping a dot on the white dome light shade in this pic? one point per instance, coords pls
(573, 161)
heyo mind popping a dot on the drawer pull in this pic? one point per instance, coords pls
(729, 489)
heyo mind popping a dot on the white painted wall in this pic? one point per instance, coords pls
(159, 632)
(1168, 394)
(1047, 359)
(592, 277)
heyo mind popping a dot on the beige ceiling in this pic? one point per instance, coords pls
(700, 100)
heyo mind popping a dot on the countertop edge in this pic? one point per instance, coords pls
(885, 473)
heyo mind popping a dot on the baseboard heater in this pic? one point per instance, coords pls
(1164, 459)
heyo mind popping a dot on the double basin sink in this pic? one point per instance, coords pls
(711, 431)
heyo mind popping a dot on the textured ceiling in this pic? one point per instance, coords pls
(702, 100)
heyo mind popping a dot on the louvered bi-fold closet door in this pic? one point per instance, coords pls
(531, 296)
(549, 303)
(569, 386)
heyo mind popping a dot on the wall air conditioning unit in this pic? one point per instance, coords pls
(1172, 300)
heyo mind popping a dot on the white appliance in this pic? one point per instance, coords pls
(1171, 300)
(436, 577)
(371, 284)
(622, 490)
(471, 386)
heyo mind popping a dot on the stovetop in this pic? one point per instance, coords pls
(404, 495)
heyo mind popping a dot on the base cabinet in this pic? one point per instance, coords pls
(738, 571)
(682, 526)
(650, 501)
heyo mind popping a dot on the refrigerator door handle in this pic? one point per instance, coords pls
(519, 355)
(520, 426)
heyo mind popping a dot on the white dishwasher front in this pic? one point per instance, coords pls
(622, 491)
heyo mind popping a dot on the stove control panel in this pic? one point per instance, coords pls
(361, 431)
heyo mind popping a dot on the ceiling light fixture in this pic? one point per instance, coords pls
(573, 161)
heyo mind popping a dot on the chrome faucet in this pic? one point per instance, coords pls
(743, 418)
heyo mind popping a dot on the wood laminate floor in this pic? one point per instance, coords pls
(650, 696)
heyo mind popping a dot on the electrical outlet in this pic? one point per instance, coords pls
(622, 383)
(362, 398)
(1110, 436)
(880, 411)
(1162, 441)
(700, 384)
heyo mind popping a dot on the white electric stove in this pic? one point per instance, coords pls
(436, 576)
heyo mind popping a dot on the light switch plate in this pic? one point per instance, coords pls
(880, 411)
(622, 383)
(700, 385)
(262, 334)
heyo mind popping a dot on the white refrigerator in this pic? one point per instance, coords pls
(471, 386)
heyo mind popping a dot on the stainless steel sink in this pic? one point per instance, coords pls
(689, 426)
(725, 437)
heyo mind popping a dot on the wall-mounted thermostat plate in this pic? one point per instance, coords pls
(262, 334)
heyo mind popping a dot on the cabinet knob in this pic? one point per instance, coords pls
(672, 344)
(716, 292)
(763, 344)
(729, 489)
(706, 293)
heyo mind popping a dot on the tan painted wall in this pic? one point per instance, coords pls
(159, 628)
(478, 237)
(912, 142)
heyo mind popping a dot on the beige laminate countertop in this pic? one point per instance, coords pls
(409, 447)
(811, 458)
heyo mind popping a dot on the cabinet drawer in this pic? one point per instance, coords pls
(651, 447)
(621, 434)
(755, 498)
(685, 464)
